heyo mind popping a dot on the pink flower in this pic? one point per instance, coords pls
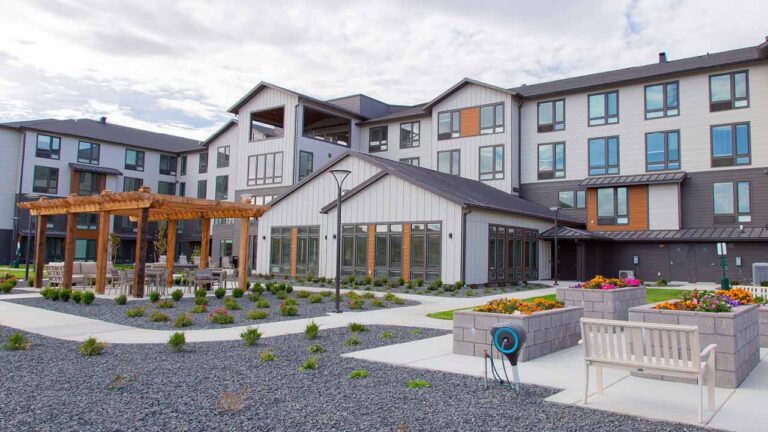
(607, 286)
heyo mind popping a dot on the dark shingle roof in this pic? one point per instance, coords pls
(627, 180)
(108, 132)
(96, 169)
(689, 234)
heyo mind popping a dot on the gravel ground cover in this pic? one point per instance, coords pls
(223, 386)
(108, 310)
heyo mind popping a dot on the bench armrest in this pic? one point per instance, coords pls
(709, 350)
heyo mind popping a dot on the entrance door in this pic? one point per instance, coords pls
(566, 260)
(707, 269)
(679, 259)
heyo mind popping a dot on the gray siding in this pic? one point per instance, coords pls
(697, 201)
(545, 193)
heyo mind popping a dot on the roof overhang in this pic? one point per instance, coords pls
(95, 169)
(631, 180)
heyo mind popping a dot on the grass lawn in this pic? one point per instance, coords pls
(17, 272)
(652, 295)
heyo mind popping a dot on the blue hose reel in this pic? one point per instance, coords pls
(508, 339)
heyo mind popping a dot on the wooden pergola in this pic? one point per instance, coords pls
(142, 207)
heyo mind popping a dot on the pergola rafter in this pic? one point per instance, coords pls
(142, 207)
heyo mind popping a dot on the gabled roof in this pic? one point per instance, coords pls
(109, 132)
(461, 84)
(365, 105)
(225, 127)
(234, 109)
(627, 180)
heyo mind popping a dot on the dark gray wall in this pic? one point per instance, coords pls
(697, 202)
(546, 192)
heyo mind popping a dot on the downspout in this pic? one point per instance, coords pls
(519, 146)
(464, 213)
(16, 220)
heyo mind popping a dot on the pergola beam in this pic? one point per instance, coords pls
(242, 264)
(102, 252)
(69, 250)
(139, 270)
(170, 255)
(42, 223)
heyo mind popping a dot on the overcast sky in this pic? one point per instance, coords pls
(176, 66)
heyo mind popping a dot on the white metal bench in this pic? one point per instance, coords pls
(658, 349)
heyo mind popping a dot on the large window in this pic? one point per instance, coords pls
(377, 139)
(604, 156)
(551, 161)
(492, 162)
(492, 119)
(222, 157)
(662, 100)
(571, 199)
(202, 189)
(388, 251)
(512, 254)
(166, 188)
(612, 206)
(426, 251)
(85, 250)
(268, 123)
(662, 151)
(225, 248)
(449, 162)
(222, 188)
(182, 189)
(89, 184)
(324, 126)
(732, 202)
(48, 147)
(168, 165)
(183, 165)
(307, 250)
(306, 162)
(551, 116)
(134, 160)
(87, 221)
(411, 161)
(603, 108)
(132, 184)
(409, 134)
(280, 251)
(728, 91)
(354, 250)
(46, 180)
(448, 125)
(203, 163)
(265, 169)
(88, 152)
(731, 145)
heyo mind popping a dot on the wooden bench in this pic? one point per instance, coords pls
(658, 349)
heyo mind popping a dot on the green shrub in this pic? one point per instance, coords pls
(417, 383)
(378, 303)
(183, 320)
(282, 295)
(177, 340)
(121, 299)
(419, 282)
(394, 283)
(201, 301)
(267, 356)
(7, 287)
(358, 374)
(315, 298)
(254, 297)
(437, 283)
(309, 364)
(459, 284)
(390, 297)
(356, 327)
(53, 294)
(302, 294)
(414, 332)
(411, 285)
(231, 304)
(315, 349)
(134, 312)
(325, 293)
(288, 309)
(177, 294)
(237, 292)
(379, 281)
(157, 316)
(219, 293)
(369, 295)
(65, 294)
(200, 308)
(661, 282)
(92, 347)
(200, 293)
(400, 281)
(387, 335)
(290, 302)
(88, 297)
(221, 316)
(77, 296)
(165, 304)
(250, 336)
(256, 314)
(352, 340)
(356, 303)
(470, 293)
(257, 288)
(262, 304)
(351, 280)
(311, 330)
(16, 342)
(154, 296)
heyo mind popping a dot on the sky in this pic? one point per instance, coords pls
(177, 66)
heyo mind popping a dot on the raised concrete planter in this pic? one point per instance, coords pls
(735, 333)
(763, 312)
(604, 304)
(547, 331)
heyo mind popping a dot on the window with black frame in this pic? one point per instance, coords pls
(551, 116)
(280, 251)
(134, 160)
(449, 162)
(729, 91)
(426, 250)
(89, 184)
(731, 145)
(307, 250)
(512, 254)
(612, 206)
(46, 180)
(222, 157)
(88, 152)
(662, 100)
(492, 119)
(166, 188)
(222, 188)
(604, 156)
(168, 165)
(306, 164)
(354, 250)
(203, 163)
(410, 133)
(448, 125)
(388, 251)
(132, 184)
(377, 139)
(662, 151)
(603, 108)
(551, 161)
(732, 202)
(48, 147)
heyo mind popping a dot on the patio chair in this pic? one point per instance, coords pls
(121, 281)
(203, 277)
(226, 263)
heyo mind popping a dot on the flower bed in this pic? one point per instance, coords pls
(705, 301)
(603, 283)
(515, 306)
(604, 298)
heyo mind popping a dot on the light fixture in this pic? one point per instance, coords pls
(339, 175)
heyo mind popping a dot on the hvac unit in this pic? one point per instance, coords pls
(759, 273)
(624, 274)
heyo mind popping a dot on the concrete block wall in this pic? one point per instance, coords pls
(603, 304)
(547, 331)
(735, 333)
(763, 327)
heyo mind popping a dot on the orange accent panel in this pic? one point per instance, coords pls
(470, 122)
(371, 245)
(294, 235)
(406, 252)
(638, 210)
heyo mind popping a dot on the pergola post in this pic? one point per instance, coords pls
(242, 263)
(102, 252)
(42, 221)
(170, 252)
(142, 226)
(69, 250)
(205, 236)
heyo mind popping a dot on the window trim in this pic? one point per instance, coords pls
(136, 167)
(493, 159)
(219, 163)
(274, 179)
(48, 182)
(183, 165)
(450, 162)
(732, 100)
(89, 161)
(383, 145)
(730, 218)
(542, 175)
(203, 182)
(175, 165)
(495, 126)
(734, 144)
(216, 194)
(50, 147)
(413, 144)
(666, 161)
(554, 119)
(607, 165)
(664, 108)
(160, 182)
(612, 220)
(573, 199)
(408, 161)
(311, 164)
(606, 116)
(127, 178)
(200, 165)
(451, 131)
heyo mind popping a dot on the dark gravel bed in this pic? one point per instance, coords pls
(108, 310)
(51, 387)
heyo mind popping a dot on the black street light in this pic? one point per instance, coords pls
(339, 175)
(556, 210)
(30, 197)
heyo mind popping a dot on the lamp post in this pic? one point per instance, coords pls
(30, 197)
(339, 175)
(556, 210)
(14, 242)
(722, 252)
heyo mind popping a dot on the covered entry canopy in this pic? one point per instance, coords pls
(143, 207)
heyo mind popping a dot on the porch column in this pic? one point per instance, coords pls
(142, 226)
(69, 250)
(171, 252)
(102, 252)
(242, 263)
(40, 250)
(205, 237)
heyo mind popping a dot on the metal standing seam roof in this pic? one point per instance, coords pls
(618, 180)
(571, 233)
(96, 169)
(689, 234)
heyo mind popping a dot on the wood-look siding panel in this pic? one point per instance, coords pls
(294, 233)
(637, 210)
(371, 246)
(470, 122)
(407, 252)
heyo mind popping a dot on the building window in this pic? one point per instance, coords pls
(492, 162)
(222, 157)
(168, 165)
(262, 199)
(225, 248)
(265, 169)
(604, 156)
(267, 124)
(354, 250)
(388, 251)
(448, 125)
(222, 188)
(732, 202)
(513, 254)
(604, 108)
(46, 180)
(48, 147)
(377, 139)
(662, 100)
(662, 151)
(88, 152)
(426, 251)
(324, 126)
(132, 184)
(409, 134)
(551, 116)
(183, 165)
(182, 189)
(88, 184)
(492, 119)
(411, 161)
(612, 206)
(166, 188)
(203, 164)
(280, 251)
(731, 145)
(86, 221)
(307, 250)
(728, 91)
(571, 199)
(449, 162)
(85, 250)
(134, 160)
(551, 161)
(202, 189)
(306, 162)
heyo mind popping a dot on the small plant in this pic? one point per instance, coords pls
(219, 293)
(16, 342)
(65, 294)
(459, 284)
(414, 332)
(53, 294)
(230, 401)
(417, 384)
(288, 309)
(326, 293)
(661, 282)
(177, 341)
(303, 294)
(315, 298)
(250, 336)
(177, 294)
(290, 302)
(356, 327)
(309, 364)
(201, 301)
(356, 303)
(387, 335)
(200, 293)
(262, 304)
(92, 347)
(157, 316)
(220, 316)
(88, 297)
(237, 292)
(419, 282)
(315, 349)
(398, 300)
(165, 304)
(231, 304)
(282, 295)
(154, 296)
(121, 299)
(256, 314)
(267, 356)
(378, 303)
(183, 320)
(257, 288)
(77, 296)
(358, 374)
(369, 295)
(311, 330)
(201, 308)
(134, 312)
(254, 297)
(352, 340)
